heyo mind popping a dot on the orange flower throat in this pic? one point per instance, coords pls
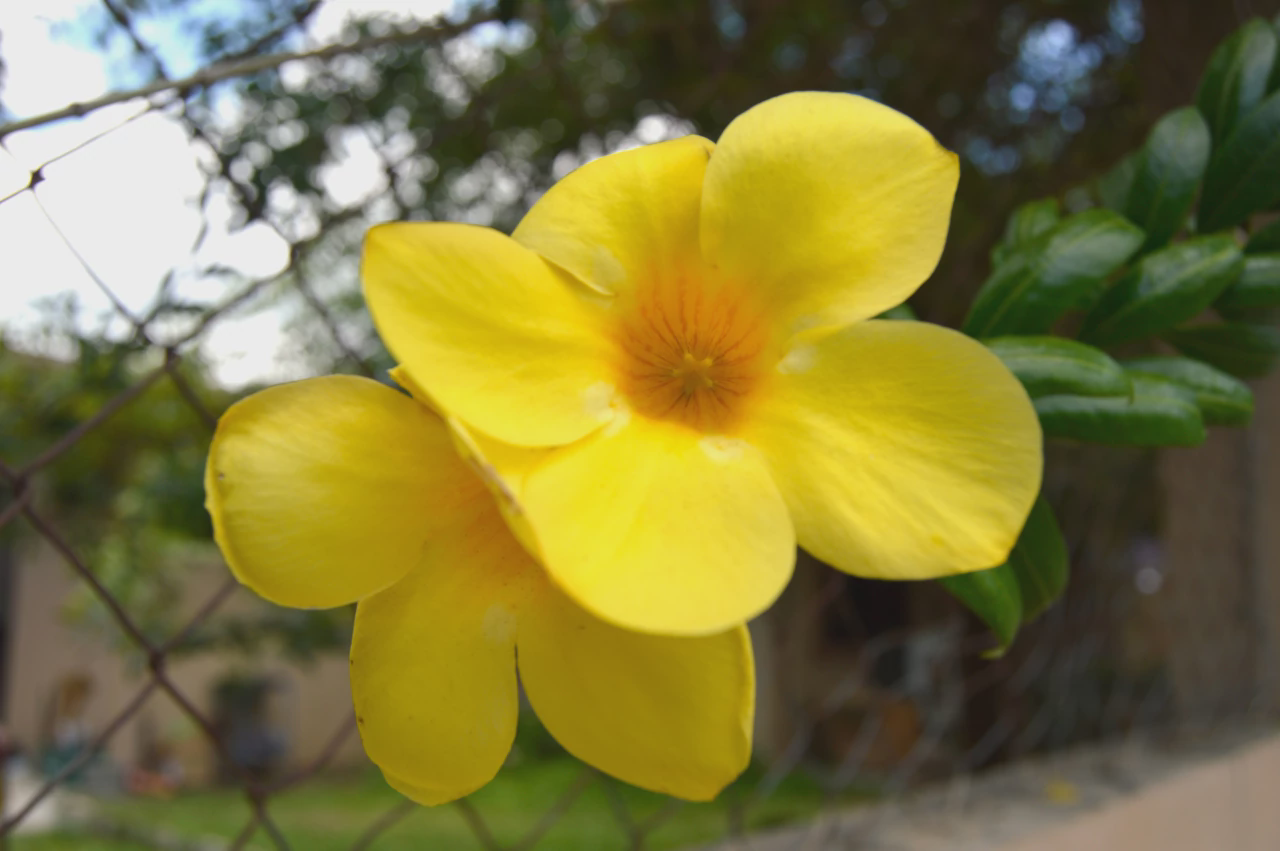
(690, 353)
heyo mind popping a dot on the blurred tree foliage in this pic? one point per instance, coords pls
(475, 129)
(129, 492)
(1038, 96)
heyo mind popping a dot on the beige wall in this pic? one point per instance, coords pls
(1215, 794)
(1226, 805)
(45, 650)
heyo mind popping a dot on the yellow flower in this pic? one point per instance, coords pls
(686, 322)
(338, 489)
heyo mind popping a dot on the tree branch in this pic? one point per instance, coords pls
(246, 67)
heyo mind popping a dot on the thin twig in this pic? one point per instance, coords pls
(97, 279)
(248, 67)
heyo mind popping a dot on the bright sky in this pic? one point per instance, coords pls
(128, 201)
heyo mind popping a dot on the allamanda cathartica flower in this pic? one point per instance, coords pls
(338, 489)
(685, 321)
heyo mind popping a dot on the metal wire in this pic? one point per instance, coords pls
(867, 724)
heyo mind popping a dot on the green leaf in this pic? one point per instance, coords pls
(1222, 400)
(1243, 350)
(1053, 366)
(1035, 575)
(1265, 240)
(1167, 174)
(1044, 278)
(1273, 82)
(1255, 296)
(1235, 79)
(1114, 186)
(1159, 413)
(1032, 219)
(1163, 290)
(1027, 222)
(993, 596)
(1039, 560)
(1274, 79)
(902, 311)
(1244, 174)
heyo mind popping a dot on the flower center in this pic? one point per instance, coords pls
(690, 353)
(694, 374)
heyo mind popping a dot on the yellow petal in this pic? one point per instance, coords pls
(834, 206)
(624, 218)
(424, 795)
(503, 468)
(433, 661)
(484, 327)
(653, 527)
(324, 491)
(405, 382)
(672, 715)
(905, 450)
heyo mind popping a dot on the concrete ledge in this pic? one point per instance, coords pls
(1213, 793)
(1229, 803)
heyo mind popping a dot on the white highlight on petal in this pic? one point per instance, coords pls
(621, 416)
(805, 323)
(607, 271)
(723, 449)
(800, 359)
(601, 402)
(499, 624)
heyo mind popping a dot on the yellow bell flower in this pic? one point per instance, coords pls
(337, 489)
(686, 323)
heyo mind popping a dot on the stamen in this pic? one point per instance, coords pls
(694, 374)
(690, 353)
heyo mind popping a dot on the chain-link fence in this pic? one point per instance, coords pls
(1171, 622)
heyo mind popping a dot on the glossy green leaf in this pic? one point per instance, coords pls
(1053, 366)
(1039, 560)
(1265, 240)
(1238, 348)
(1244, 174)
(1008, 596)
(1255, 296)
(1167, 174)
(993, 596)
(1222, 400)
(1027, 222)
(1044, 278)
(1032, 219)
(1163, 290)
(1114, 186)
(1235, 79)
(1159, 413)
